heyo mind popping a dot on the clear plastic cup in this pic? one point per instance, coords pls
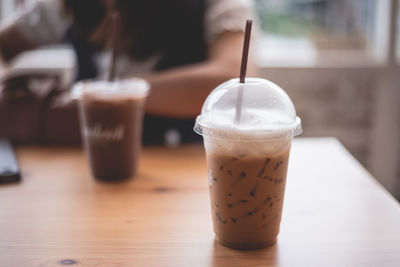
(247, 155)
(111, 117)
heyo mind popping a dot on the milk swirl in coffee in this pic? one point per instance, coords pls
(247, 191)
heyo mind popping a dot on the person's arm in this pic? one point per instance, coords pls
(180, 92)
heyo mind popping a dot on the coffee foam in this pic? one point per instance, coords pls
(252, 148)
(253, 131)
(133, 88)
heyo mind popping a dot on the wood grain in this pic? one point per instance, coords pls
(335, 214)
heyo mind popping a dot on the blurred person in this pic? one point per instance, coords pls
(183, 48)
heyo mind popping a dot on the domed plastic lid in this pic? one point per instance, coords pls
(256, 108)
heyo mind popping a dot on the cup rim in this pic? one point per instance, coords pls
(236, 134)
(78, 89)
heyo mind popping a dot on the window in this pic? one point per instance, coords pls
(310, 32)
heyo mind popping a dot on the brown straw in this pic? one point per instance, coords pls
(245, 52)
(243, 67)
(115, 42)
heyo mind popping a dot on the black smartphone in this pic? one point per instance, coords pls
(9, 170)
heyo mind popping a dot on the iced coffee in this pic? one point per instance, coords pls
(247, 160)
(111, 115)
(247, 191)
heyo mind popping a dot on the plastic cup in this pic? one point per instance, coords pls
(247, 159)
(111, 118)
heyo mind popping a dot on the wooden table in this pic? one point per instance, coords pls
(335, 213)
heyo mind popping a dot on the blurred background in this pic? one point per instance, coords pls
(338, 61)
